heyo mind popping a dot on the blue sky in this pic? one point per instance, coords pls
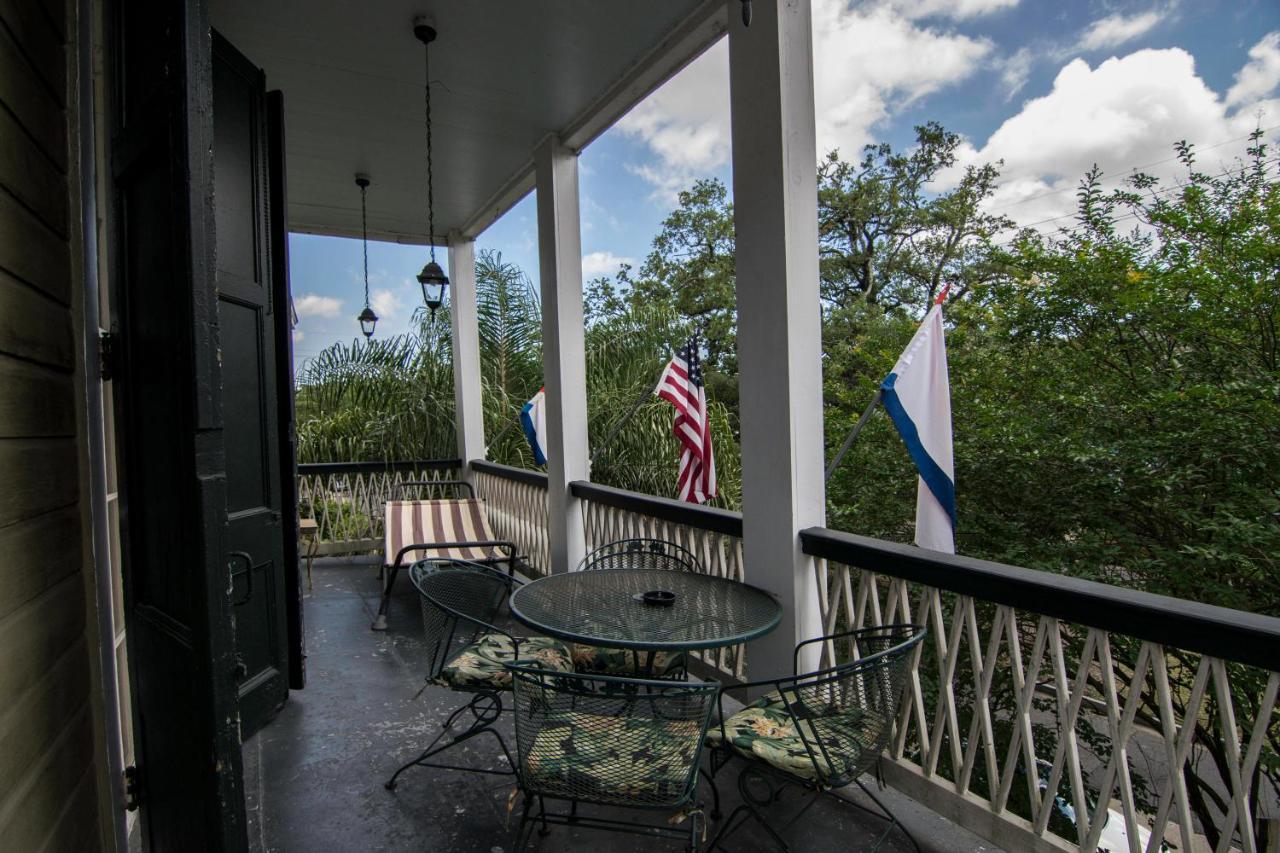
(1050, 88)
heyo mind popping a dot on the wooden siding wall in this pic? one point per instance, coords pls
(48, 772)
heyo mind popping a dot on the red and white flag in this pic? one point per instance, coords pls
(681, 385)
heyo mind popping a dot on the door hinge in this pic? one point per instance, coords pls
(108, 355)
(132, 796)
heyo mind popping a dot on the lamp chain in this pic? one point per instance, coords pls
(364, 230)
(431, 201)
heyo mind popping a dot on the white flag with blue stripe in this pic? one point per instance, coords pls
(533, 417)
(917, 396)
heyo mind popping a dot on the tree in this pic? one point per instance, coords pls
(885, 238)
(690, 269)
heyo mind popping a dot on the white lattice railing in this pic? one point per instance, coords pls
(516, 503)
(714, 536)
(348, 499)
(1037, 696)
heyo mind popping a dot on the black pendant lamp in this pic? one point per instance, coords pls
(368, 319)
(432, 278)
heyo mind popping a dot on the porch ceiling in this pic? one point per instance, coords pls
(505, 75)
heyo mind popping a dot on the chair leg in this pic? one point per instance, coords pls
(485, 710)
(750, 810)
(525, 831)
(715, 793)
(389, 579)
(886, 815)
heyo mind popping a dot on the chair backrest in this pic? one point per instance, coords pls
(641, 554)
(608, 740)
(844, 715)
(460, 601)
(414, 522)
(429, 489)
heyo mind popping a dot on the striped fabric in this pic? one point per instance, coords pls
(414, 522)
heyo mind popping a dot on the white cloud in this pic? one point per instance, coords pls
(1260, 76)
(602, 263)
(1117, 29)
(1125, 113)
(868, 63)
(315, 305)
(386, 303)
(1015, 69)
(298, 335)
(957, 9)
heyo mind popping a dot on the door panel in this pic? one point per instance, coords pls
(178, 609)
(246, 315)
(278, 222)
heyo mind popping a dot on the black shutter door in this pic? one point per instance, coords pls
(174, 489)
(250, 413)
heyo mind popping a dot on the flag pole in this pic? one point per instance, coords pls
(853, 435)
(617, 427)
(871, 407)
(699, 329)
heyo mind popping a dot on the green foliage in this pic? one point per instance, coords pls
(1115, 386)
(886, 238)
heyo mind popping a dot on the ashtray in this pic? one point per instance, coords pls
(656, 597)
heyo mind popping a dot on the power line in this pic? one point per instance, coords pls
(1157, 194)
(1133, 169)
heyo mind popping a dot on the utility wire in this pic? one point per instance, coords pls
(1132, 170)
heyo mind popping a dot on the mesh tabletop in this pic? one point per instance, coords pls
(603, 608)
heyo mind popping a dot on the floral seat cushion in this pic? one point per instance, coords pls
(581, 755)
(483, 664)
(765, 730)
(600, 660)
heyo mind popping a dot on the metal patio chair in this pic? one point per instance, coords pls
(820, 730)
(468, 653)
(608, 741)
(634, 554)
(451, 528)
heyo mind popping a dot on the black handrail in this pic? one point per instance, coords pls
(1249, 638)
(508, 472)
(387, 467)
(677, 512)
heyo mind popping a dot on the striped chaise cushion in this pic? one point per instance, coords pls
(414, 522)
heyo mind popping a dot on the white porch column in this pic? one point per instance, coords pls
(468, 402)
(564, 367)
(775, 201)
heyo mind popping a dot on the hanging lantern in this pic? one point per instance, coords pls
(433, 281)
(368, 319)
(432, 278)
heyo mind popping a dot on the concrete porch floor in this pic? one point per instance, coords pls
(314, 775)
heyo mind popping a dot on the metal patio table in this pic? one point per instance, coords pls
(646, 610)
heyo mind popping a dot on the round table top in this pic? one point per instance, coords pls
(603, 607)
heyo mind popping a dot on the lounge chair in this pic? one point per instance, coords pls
(447, 528)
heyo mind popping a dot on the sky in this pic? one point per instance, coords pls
(1049, 88)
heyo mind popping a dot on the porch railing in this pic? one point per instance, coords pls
(516, 502)
(713, 535)
(1043, 712)
(347, 499)
(1037, 695)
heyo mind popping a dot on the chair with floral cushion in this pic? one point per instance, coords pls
(820, 730)
(634, 554)
(468, 653)
(609, 741)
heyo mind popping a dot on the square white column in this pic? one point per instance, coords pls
(564, 366)
(775, 200)
(464, 317)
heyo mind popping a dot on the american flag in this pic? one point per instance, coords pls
(681, 385)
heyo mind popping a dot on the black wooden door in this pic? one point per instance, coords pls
(250, 408)
(173, 472)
